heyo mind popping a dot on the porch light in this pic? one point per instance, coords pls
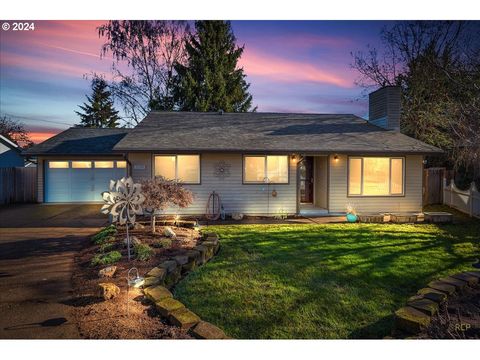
(335, 158)
(294, 158)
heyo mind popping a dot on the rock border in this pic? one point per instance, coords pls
(167, 274)
(413, 318)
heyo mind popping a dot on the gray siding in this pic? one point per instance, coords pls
(411, 201)
(235, 196)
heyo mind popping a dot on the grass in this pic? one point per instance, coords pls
(322, 281)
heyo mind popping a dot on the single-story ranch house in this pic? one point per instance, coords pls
(258, 163)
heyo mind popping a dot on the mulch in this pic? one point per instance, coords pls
(129, 315)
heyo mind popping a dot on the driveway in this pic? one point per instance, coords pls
(37, 252)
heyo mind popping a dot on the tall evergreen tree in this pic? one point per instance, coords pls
(210, 80)
(98, 112)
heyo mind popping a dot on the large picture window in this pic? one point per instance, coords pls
(260, 169)
(181, 168)
(375, 176)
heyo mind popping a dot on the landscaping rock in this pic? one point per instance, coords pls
(425, 305)
(181, 259)
(411, 320)
(237, 216)
(212, 248)
(468, 278)
(152, 281)
(167, 305)
(183, 318)
(107, 291)
(459, 284)
(173, 277)
(138, 226)
(203, 252)
(443, 287)
(133, 241)
(432, 294)
(168, 231)
(157, 293)
(107, 272)
(474, 273)
(210, 235)
(169, 265)
(193, 254)
(157, 272)
(205, 330)
(188, 266)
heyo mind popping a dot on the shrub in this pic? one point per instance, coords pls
(143, 251)
(104, 235)
(107, 246)
(164, 243)
(106, 259)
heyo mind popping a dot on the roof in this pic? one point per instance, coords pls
(80, 141)
(9, 143)
(266, 132)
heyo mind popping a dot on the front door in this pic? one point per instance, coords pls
(306, 180)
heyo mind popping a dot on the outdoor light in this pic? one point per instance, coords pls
(335, 158)
(294, 158)
(134, 281)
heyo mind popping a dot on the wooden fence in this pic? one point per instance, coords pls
(467, 201)
(18, 185)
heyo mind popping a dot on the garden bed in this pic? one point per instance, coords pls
(99, 319)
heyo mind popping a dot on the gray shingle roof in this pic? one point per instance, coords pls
(79, 141)
(266, 132)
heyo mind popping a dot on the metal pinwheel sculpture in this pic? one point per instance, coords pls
(123, 201)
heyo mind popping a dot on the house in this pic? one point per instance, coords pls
(259, 163)
(10, 153)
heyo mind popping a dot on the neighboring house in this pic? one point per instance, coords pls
(259, 163)
(10, 154)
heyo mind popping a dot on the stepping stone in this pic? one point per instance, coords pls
(427, 306)
(411, 320)
(203, 252)
(443, 287)
(167, 305)
(181, 259)
(432, 294)
(152, 281)
(474, 273)
(157, 272)
(183, 318)
(157, 293)
(212, 235)
(459, 284)
(205, 330)
(213, 239)
(169, 265)
(469, 278)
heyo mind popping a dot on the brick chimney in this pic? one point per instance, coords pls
(385, 106)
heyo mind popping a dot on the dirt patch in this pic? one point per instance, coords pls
(130, 315)
(458, 318)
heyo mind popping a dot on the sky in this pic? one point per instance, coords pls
(292, 66)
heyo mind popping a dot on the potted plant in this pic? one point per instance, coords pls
(351, 213)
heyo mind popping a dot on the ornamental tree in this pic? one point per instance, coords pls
(161, 193)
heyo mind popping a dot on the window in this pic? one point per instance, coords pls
(103, 164)
(260, 169)
(81, 164)
(182, 168)
(375, 176)
(121, 164)
(58, 164)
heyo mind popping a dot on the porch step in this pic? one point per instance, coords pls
(314, 212)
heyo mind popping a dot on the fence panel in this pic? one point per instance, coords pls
(18, 185)
(432, 186)
(467, 201)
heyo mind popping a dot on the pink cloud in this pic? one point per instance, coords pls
(301, 41)
(284, 70)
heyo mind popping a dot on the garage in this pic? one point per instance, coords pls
(80, 180)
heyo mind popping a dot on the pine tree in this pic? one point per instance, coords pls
(211, 80)
(98, 112)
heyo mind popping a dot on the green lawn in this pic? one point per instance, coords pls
(322, 281)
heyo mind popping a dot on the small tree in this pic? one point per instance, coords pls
(15, 131)
(161, 193)
(99, 112)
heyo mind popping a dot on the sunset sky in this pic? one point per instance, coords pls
(293, 66)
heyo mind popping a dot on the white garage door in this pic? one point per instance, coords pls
(80, 180)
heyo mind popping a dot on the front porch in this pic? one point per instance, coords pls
(313, 186)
